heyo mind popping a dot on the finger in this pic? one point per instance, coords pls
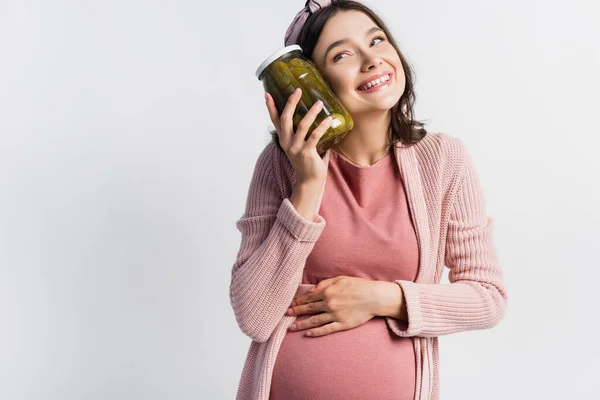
(310, 308)
(309, 297)
(325, 330)
(318, 133)
(307, 121)
(287, 116)
(312, 322)
(273, 113)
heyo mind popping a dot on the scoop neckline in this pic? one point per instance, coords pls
(362, 168)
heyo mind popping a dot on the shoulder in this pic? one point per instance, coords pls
(442, 157)
(273, 164)
(440, 145)
(272, 158)
(264, 165)
(440, 148)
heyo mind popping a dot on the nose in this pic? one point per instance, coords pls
(371, 62)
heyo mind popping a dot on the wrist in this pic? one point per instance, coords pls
(304, 198)
(390, 301)
(309, 184)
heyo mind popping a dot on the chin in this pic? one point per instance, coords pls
(387, 104)
(380, 105)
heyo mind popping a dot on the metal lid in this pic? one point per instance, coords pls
(274, 57)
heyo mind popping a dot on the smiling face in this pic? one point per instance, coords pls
(352, 51)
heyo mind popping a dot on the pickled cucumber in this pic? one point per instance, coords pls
(309, 77)
(279, 97)
(287, 83)
(300, 66)
(338, 120)
(318, 88)
(338, 125)
(298, 118)
(280, 74)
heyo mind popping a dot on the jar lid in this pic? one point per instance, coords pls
(275, 56)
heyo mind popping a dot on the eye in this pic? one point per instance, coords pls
(378, 37)
(337, 56)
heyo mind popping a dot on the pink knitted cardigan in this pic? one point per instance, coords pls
(448, 211)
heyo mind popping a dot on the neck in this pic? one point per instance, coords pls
(368, 139)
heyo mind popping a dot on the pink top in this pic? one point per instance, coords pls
(452, 229)
(369, 234)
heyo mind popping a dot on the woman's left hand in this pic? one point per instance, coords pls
(342, 303)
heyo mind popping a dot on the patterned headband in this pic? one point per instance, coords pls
(291, 36)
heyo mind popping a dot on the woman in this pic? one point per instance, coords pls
(364, 293)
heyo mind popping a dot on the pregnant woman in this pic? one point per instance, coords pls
(337, 279)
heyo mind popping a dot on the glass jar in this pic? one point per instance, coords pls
(287, 69)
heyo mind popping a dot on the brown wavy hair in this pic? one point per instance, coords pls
(404, 128)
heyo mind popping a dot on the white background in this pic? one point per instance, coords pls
(128, 135)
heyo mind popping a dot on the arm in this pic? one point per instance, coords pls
(276, 241)
(476, 297)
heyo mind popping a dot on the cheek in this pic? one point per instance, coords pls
(342, 88)
(347, 85)
(401, 79)
(340, 78)
(394, 59)
(339, 82)
(331, 81)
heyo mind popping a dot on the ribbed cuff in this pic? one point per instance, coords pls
(301, 228)
(410, 291)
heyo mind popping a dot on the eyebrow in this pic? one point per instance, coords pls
(343, 41)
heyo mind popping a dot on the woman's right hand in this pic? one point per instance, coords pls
(303, 154)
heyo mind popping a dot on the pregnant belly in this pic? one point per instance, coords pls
(366, 362)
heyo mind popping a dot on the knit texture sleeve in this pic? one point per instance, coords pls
(275, 243)
(475, 298)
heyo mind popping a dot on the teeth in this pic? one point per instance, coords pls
(376, 82)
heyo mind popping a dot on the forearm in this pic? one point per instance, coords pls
(304, 198)
(437, 309)
(389, 301)
(269, 267)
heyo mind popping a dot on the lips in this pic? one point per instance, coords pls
(372, 78)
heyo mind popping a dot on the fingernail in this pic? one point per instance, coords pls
(297, 91)
(293, 303)
(319, 103)
(293, 327)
